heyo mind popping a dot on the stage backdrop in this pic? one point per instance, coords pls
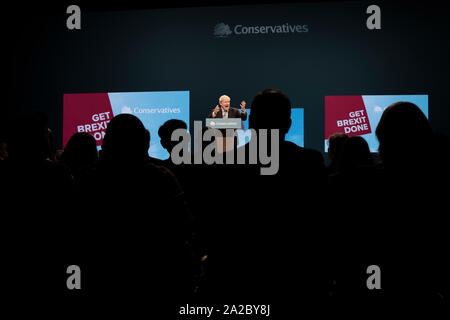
(309, 50)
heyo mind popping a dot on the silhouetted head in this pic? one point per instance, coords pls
(225, 102)
(403, 131)
(271, 109)
(335, 143)
(355, 153)
(125, 139)
(166, 130)
(28, 137)
(80, 151)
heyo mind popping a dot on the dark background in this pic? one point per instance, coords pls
(170, 46)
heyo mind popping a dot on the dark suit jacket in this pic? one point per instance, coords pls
(232, 113)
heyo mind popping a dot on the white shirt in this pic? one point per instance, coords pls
(224, 114)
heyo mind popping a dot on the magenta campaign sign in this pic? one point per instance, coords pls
(358, 115)
(91, 113)
(86, 112)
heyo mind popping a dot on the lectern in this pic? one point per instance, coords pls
(228, 141)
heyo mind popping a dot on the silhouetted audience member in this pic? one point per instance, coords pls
(166, 130)
(405, 136)
(355, 154)
(185, 173)
(137, 221)
(36, 219)
(271, 109)
(335, 143)
(80, 153)
(413, 176)
(388, 215)
(263, 238)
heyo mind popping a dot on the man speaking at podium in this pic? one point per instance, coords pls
(225, 111)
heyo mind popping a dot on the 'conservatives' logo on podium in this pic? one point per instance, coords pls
(222, 30)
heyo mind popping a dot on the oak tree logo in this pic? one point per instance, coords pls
(126, 109)
(222, 30)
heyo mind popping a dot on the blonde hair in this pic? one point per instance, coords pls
(223, 97)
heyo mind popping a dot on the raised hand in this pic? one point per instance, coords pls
(243, 106)
(216, 109)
